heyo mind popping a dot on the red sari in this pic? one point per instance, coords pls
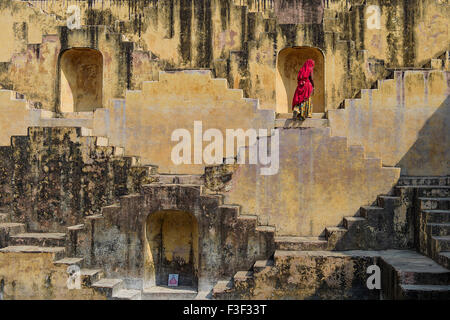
(304, 87)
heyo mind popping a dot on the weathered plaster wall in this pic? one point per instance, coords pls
(34, 276)
(239, 44)
(58, 176)
(320, 181)
(16, 116)
(404, 121)
(409, 33)
(149, 117)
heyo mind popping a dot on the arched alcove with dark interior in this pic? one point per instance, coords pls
(81, 80)
(172, 248)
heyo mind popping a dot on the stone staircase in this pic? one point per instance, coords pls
(413, 277)
(431, 198)
(14, 237)
(357, 232)
(400, 95)
(122, 174)
(406, 274)
(243, 228)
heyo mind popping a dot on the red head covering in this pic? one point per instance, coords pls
(304, 86)
(306, 70)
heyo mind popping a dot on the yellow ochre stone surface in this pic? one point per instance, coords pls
(86, 122)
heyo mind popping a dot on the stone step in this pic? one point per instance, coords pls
(101, 141)
(222, 287)
(423, 181)
(330, 231)
(437, 216)
(70, 261)
(334, 235)
(12, 227)
(267, 229)
(180, 179)
(38, 239)
(439, 229)
(90, 276)
(248, 217)
(308, 123)
(231, 211)
(425, 292)
(350, 222)
(367, 211)
(388, 201)
(109, 287)
(133, 161)
(260, 265)
(77, 227)
(218, 197)
(64, 122)
(57, 252)
(8, 229)
(434, 203)
(443, 242)
(414, 268)
(437, 64)
(127, 294)
(150, 170)
(169, 293)
(425, 191)
(204, 295)
(119, 151)
(444, 259)
(242, 276)
(300, 243)
(290, 115)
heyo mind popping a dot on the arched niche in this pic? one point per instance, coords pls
(172, 248)
(289, 62)
(81, 80)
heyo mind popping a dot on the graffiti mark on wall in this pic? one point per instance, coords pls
(299, 11)
(226, 39)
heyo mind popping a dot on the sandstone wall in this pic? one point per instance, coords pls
(404, 122)
(34, 276)
(55, 177)
(320, 181)
(144, 122)
(237, 43)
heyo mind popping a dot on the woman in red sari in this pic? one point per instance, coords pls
(301, 104)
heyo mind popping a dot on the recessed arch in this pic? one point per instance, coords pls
(289, 62)
(81, 80)
(171, 248)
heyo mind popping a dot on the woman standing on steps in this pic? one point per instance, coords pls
(301, 104)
